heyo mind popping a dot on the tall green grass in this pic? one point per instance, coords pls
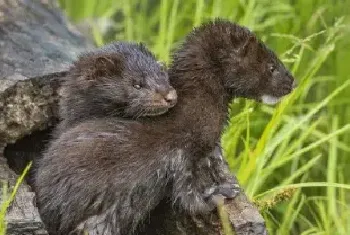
(291, 159)
(8, 197)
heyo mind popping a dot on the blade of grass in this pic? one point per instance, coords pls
(5, 205)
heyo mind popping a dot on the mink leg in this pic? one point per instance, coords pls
(198, 185)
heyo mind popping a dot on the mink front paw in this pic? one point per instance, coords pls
(218, 193)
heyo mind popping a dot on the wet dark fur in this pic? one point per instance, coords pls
(116, 171)
(101, 84)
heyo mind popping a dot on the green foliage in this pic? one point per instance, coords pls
(7, 198)
(300, 146)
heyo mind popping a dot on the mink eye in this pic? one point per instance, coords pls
(272, 68)
(137, 86)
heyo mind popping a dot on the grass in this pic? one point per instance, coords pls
(7, 198)
(291, 159)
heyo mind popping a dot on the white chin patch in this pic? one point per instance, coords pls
(270, 100)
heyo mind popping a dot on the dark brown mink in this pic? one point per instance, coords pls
(106, 175)
(120, 79)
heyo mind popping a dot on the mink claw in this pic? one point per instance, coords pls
(226, 191)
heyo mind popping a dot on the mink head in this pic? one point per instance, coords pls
(120, 79)
(246, 67)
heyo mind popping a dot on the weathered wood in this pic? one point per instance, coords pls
(36, 47)
(22, 217)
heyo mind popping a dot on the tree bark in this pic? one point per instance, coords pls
(37, 45)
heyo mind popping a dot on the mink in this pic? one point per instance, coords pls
(106, 175)
(121, 79)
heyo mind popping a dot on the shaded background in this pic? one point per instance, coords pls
(305, 141)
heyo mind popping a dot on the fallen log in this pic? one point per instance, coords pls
(37, 44)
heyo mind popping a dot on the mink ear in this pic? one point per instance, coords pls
(248, 46)
(107, 66)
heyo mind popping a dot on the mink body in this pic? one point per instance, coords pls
(119, 79)
(106, 175)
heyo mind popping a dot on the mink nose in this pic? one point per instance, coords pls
(171, 97)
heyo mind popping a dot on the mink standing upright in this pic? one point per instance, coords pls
(109, 173)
